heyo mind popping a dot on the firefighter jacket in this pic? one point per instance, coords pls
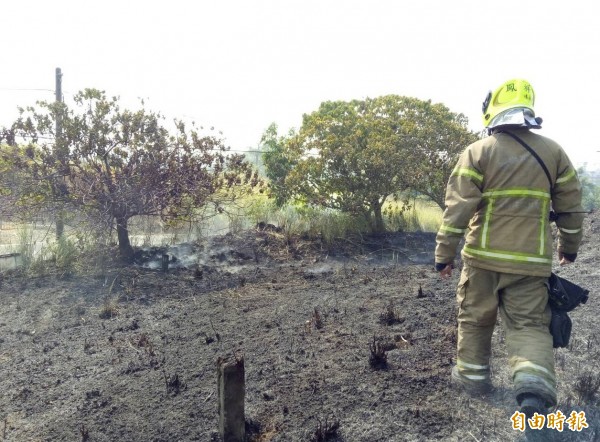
(499, 198)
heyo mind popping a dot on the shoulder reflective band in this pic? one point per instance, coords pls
(566, 177)
(468, 172)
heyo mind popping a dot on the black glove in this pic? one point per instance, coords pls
(441, 266)
(569, 256)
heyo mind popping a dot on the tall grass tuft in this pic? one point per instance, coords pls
(329, 224)
(64, 253)
(291, 221)
(26, 246)
(429, 216)
(61, 255)
(420, 215)
(260, 209)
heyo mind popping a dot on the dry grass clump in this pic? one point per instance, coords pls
(326, 431)
(110, 308)
(586, 387)
(390, 315)
(378, 358)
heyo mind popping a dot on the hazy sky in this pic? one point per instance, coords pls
(240, 65)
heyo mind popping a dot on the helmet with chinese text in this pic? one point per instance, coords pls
(511, 105)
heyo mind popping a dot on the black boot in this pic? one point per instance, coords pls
(531, 404)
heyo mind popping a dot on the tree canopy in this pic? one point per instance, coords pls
(353, 155)
(278, 160)
(117, 163)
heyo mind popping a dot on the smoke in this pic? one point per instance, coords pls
(181, 256)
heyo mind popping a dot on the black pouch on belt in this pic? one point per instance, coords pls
(563, 296)
(560, 328)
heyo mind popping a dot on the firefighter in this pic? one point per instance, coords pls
(498, 199)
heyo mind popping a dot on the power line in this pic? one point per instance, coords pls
(10, 89)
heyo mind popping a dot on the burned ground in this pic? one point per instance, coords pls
(352, 342)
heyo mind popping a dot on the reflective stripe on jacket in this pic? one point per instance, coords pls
(498, 198)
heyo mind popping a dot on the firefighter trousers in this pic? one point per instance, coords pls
(525, 315)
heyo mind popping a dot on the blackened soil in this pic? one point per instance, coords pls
(352, 342)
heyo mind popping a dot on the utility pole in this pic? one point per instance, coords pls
(60, 224)
(58, 92)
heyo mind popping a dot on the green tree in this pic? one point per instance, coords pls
(117, 163)
(22, 196)
(353, 155)
(51, 197)
(439, 137)
(278, 159)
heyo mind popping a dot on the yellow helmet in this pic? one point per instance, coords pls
(513, 94)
